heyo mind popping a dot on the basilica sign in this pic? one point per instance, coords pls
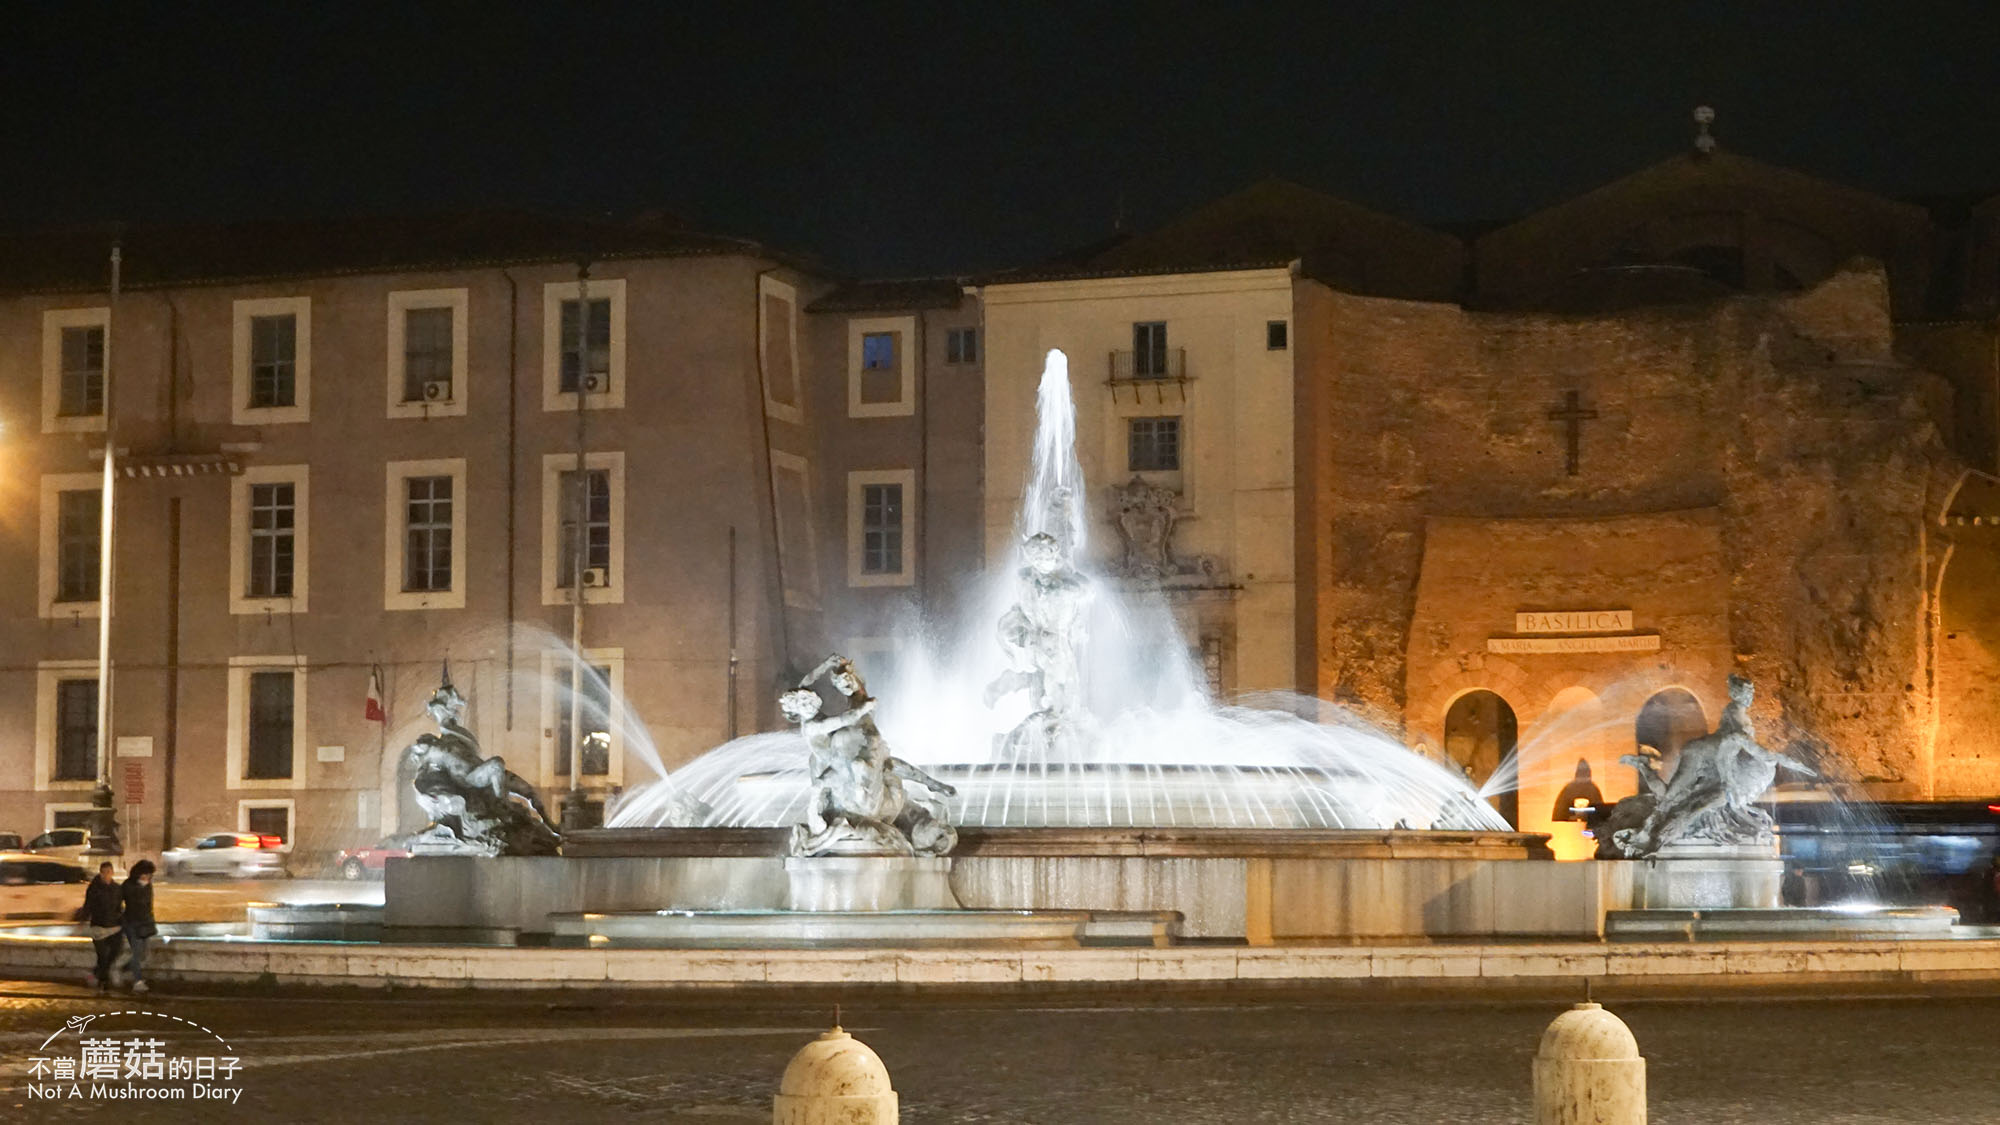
(1574, 621)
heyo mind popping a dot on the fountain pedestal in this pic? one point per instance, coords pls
(1702, 876)
(868, 883)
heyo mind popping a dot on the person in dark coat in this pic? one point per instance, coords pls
(139, 925)
(103, 914)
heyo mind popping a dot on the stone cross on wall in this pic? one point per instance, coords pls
(1572, 414)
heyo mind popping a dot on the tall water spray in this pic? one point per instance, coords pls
(1068, 699)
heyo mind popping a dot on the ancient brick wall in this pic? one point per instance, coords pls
(1788, 416)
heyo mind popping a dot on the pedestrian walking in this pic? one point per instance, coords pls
(140, 929)
(103, 914)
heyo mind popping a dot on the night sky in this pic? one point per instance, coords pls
(944, 137)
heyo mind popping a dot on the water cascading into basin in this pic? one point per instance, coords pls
(1070, 700)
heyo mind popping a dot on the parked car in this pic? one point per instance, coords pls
(238, 855)
(68, 842)
(10, 842)
(368, 862)
(40, 886)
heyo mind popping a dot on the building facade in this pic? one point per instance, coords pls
(1523, 496)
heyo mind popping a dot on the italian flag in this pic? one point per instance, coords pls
(373, 708)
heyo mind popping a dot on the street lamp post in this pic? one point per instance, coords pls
(103, 807)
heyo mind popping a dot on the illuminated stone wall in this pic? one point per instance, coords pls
(1780, 432)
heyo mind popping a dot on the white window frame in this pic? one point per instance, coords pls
(47, 674)
(906, 362)
(48, 562)
(237, 739)
(554, 293)
(51, 808)
(801, 575)
(239, 538)
(858, 478)
(554, 465)
(459, 301)
(289, 804)
(794, 411)
(555, 677)
(241, 413)
(394, 500)
(53, 323)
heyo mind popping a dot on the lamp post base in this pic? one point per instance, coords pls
(103, 823)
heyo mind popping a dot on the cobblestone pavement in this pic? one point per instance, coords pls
(429, 1058)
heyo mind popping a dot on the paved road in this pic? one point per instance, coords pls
(425, 1058)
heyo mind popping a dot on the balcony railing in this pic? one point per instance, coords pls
(1163, 372)
(1132, 367)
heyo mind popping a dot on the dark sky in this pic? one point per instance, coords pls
(947, 137)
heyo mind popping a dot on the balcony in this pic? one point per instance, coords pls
(1160, 373)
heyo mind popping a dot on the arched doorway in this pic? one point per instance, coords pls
(1668, 721)
(1480, 734)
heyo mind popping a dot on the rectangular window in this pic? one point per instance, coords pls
(427, 534)
(269, 820)
(779, 351)
(878, 351)
(1153, 445)
(274, 361)
(273, 523)
(881, 529)
(269, 730)
(586, 350)
(881, 374)
(1149, 349)
(79, 530)
(76, 731)
(961, 345)
(1277, 335)
(427, 354)
(596, 526)
(82, 393)
(596, 721)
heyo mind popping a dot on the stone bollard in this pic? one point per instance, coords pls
(835, 1080)
(1589, 1071)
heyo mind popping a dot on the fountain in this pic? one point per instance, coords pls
(1066, 747)
(1085, 712)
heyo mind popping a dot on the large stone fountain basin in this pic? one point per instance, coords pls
(1227, 884)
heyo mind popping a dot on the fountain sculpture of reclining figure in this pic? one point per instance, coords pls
(476, 804)
(860, 804)
(1713, 793)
